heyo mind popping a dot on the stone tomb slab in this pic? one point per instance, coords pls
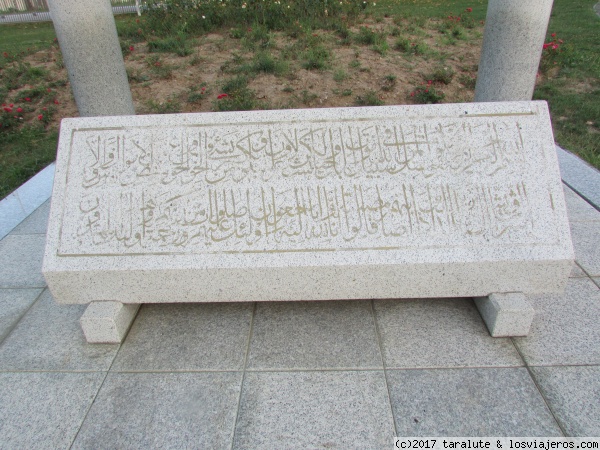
(352, 203)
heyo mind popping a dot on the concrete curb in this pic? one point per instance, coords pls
(26, 199)
(579, 176)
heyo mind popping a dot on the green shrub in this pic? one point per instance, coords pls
(316, 58)
(427, 94)
(369, 98)
(172, 44)
(441, 74)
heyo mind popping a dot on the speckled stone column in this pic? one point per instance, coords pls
(512, 46)
(87, 35)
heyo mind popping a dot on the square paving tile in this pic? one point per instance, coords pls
(49, 337)
(586, 240)
(311, 335)
(187, 337)
(573, 394)
(425, 333)
(565, 328)
(21, 261)
(36, 223)
(13, 304)
(11, 213)
(44, 410)
(337, 409)
(163, 410)
(578, 209)
(469, 402)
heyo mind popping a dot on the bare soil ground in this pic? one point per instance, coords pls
(163, 82)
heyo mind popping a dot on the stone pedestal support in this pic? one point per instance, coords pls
(512, 46)
(107, 322)
(506, 314)
(87, 35)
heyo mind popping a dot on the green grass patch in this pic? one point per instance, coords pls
(24, 37)
(173, 44)
(573, 86)
(23, 153)
(316, 58)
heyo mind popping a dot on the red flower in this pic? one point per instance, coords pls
(44, 109)
(40, 117)
(554, 47)
(56, 102)
(469, 9)
(429, 82)
(5, 54)
(131, 48)
(220, 96)
(546, 46)
(19, 110)
(27, 99)
(11, 105)
(8, 109)
(412, 94)
(553, 35)
(49, 90)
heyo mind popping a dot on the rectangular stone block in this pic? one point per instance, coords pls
(509, 314)
(347, 203)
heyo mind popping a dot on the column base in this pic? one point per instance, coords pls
(107, 322)
(506, 315)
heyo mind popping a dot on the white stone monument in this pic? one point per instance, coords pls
(351, 203)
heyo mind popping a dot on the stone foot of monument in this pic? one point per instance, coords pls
(107, 322)
(505, 315)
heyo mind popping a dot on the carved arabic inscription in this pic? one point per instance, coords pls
(297, 186)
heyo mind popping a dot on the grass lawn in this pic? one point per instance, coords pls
(391, 52)
(22, 37)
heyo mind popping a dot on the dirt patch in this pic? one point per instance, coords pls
(165, 82)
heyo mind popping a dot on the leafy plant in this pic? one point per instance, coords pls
(467, 81)
(441, 74)
(159, 68)
(389, 82)
(236, 96)
(308, 97)
(339, 76)
(316, 58)
(427, 94)
(369, 98)
(173, 44)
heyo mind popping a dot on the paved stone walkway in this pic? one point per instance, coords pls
(349, 374)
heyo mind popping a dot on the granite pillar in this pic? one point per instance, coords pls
(512, 46)
(87, 35)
